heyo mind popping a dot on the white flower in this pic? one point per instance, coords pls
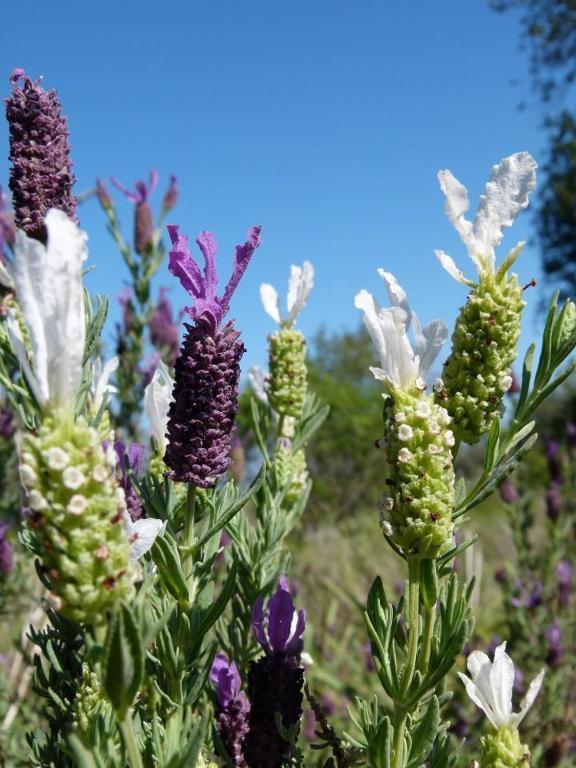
(492, 684)
(157, 399)
(48, 281)
(404, 455)
(405, 432)
(77, 504)
(101, 387)
(56, 458)
(423, 410)
(259, 384)
(36, 501)
(27, 475)
(402, 363)
(99, 474)
(142, 533)
(300, 285)
(506, 194)
(73, 478)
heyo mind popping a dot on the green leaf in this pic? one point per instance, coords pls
(260, 424)
(234, 507)
(123, 662)
(380, 746)
(167, 558)
(309, 425)
(95, 323)
(429, 583)
(424, 734)
(217, 608)
(82, 755)
(492, 445)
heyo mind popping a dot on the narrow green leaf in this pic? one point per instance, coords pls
(123, 662)
(492, 445)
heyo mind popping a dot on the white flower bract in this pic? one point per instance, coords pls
(492, 684)
(403, 363)
(142, 533)
(157, 399)
(101, 387)
(300, 285)
(507, 193)
(258, 383)
(48, 283)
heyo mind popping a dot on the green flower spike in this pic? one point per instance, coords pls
(77, 517)
(478, 371)
(287, 381)
(417, 506)
(491, 689)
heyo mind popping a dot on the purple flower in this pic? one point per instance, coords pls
(501, 575)
(143, 219)
(148, 368)
(553, 502)
(233, 708)
(208, 308)
(131, 459)
(6, 222)
(564, 575)
(171, 195)
(163, 329)
(7, 426)
(41, 174)
(530, 596)
(275, 680)
(280, 627)
(553, 636)
(6, 552)
(205, 396)
(508, 492)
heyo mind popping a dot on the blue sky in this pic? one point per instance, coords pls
(325, 121)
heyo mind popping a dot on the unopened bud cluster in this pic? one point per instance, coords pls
(291, 470)
(477, 374)
(76, 514)
(288, 381)
(417, 507)
(503, 749)
(90, 701)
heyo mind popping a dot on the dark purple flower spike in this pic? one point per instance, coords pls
(275, 680)
(279, 629)
(143, 219)
(233, 708)
(131, 459)
(208, 307)
(205, 395)
(41, 175)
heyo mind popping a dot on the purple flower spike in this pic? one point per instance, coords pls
(553, 637)
(143, 218)
(163, 329)
(233, 708)
(207, 306)
(508, 492)
(553, 502)
(280, 628)
(41, 175)
(564, 575)
(171, 195)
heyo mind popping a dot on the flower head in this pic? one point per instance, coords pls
(48, 280)
(233, 708)
(402, 362)
(492, 684)
(208, 307)
(163, 329)
(41, 176)
(130, 459)
(300, 285)
(506, 194)
(171, 195)
(157, 398)
(225, 678)
(280, 627)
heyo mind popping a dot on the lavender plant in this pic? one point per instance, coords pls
(157, 644)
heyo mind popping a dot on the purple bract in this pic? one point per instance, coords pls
(225, 678)
(130, 459)
(208, 307)
(280, 627)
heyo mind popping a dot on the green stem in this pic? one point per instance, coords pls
(400, 716)
(188, 535)
(130, 743)
(413, 618)
(427, 634)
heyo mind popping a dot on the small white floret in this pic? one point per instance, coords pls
(405, 432)
(36, 501)
(449, 438)
(73, 478)
(27, 475)
(423, 410)
(99, 474)
(400, 417)
(77, 504)
(404, 455)
(56, 458)
(505, 383)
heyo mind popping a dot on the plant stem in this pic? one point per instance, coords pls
(427, 635)
(130, 743)
(413, 624)
(400, 716)
(188, 535)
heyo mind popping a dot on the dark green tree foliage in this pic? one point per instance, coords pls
(343, 457)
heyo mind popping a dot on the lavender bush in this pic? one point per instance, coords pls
(155, 588)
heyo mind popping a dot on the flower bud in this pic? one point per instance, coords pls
(568, 322)
(76, 515)
(420, 497)
(503, 749)
(478, 374)
(288, 376)
(291, 469)
(143, 228)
